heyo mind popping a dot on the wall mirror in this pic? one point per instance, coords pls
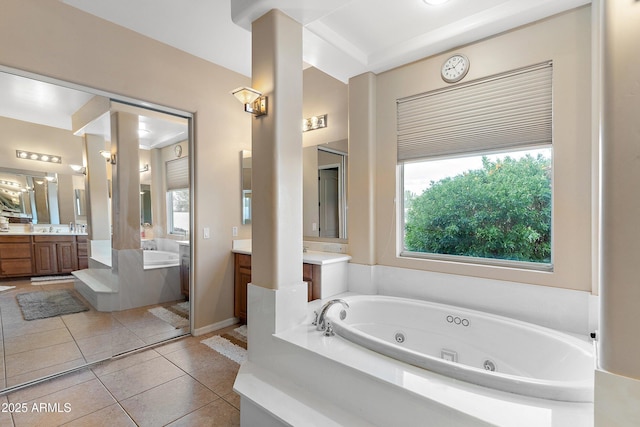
(245, 180)
(34, 196)
(56, 194)
(324, 190)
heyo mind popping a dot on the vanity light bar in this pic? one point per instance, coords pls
(314, 122)
(10, 183)
(29, 155)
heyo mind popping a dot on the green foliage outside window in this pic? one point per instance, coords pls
(501, 211)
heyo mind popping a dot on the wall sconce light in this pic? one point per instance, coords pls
(110, 158)
(314, 122)
(144, 168)
(79, 169)
(29, 155)
(254, 102)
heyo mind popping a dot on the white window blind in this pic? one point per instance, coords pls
(178, 174)
(508, 110)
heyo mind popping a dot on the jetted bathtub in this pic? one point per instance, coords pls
(159, 259)
(480, 348)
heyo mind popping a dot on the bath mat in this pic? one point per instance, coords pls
(43, 304)
(226, 348)
(50, 280)
(176, 315)
(232, 345)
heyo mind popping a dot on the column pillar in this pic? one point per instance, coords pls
(97, 187)
(277, 153)
(362, 167)
(276, 296)
(125, 181)
(618, 379)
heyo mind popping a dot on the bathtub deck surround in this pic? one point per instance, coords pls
(115, 280)
(381, 391)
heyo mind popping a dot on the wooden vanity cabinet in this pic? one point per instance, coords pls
(82, 249)
(242, 277)
(54, 254)
(185, 269)
(15, 256)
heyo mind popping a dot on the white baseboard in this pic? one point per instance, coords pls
(214, 326)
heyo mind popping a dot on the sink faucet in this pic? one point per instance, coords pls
(320, 321)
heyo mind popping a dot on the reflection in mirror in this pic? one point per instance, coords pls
(246, 186)
(45, 204)
(324, 193)
(81, 202)
(29, 196)
(145, 205)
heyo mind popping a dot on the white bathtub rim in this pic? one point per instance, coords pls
(173, 261)
(482, 403)
(567, 390)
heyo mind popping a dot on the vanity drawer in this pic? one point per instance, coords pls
(49, 238)
(243, 260)
(16, 267)
(15, 251)
(83, 249)
(15, 239)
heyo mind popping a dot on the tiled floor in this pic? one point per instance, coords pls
(182, 383)
(38, 348)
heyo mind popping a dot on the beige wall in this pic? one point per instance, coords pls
(322, 94)
(55, 40)
(565, 39)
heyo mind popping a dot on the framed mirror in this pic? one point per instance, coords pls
(245, 182)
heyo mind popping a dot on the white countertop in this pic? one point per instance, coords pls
(40, 233)
(309, 257)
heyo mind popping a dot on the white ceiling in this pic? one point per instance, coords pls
(343, 38)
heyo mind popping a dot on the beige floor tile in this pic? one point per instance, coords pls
(113, 343)
(179, 344)
(82, 399)
(14, 329)
(111, 416)
(233, 399)
(150, 327)
(174, 333)
(215, 414)
(44, 372)
(168, 402)
(196, 358)
(218, 376)
(124, 362)
(93, 327)
(20, 363)
(48, 387)
(5, 416)
(141, 377)
(36, 340)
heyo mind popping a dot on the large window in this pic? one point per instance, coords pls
(476, 163)
(177, 177)
(178, 201)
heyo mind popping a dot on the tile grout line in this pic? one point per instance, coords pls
(116, 400)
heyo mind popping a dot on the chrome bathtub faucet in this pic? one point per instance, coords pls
(320, 322)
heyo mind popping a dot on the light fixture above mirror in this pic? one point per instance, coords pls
(30, 155)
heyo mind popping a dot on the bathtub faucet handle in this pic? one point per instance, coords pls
(320, 322)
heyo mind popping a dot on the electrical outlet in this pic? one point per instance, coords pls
(314, 227)
(206, 233)
(234, 231)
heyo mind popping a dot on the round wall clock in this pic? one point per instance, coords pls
(455, 68)
(178, 150)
